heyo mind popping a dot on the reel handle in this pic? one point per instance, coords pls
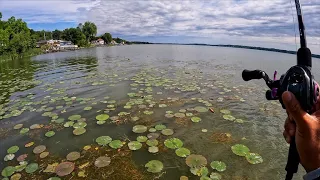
(248, 75)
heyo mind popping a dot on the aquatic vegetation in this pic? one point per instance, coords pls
(39, 149)
(102, 161)
(195, 119)
(154, 166)
(173, 143)
(13, 149)
(134, 145)
(179, 115)
(31, 168)
(49, 133)
(102, 117)
(139, 128)
(167, 132)
(142, 138)
(8, 171)
(72, 156)
(225, 111)
(79, 131)
(201, 109)
(215, 176)
(116, 144)
(160, 127)
(196, 161)
(254, 158)
(153, 149)
(240, 149)
(153, 135)
(64, 168)
(152, 142)
(182, 152)
(103, 140)
(218, 165)
(44, 155)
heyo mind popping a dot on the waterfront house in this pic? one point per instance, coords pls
(98, 42)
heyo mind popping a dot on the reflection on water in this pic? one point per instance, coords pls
(143, 85)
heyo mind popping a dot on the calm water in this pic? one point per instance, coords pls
(181, 77)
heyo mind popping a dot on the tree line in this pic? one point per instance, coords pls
(17, 39)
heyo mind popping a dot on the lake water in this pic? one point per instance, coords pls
(138, 85)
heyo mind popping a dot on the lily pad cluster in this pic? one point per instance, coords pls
(242, 150)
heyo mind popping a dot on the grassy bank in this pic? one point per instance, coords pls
(29, 53)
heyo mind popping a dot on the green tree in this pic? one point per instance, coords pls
(56, 34)
(75, 36)
(107, 37)
(0, 15)
(89, 29)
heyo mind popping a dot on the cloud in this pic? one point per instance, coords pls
(250, 22)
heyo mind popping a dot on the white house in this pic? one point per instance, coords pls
(98, 42)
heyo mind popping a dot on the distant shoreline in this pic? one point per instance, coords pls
(233, 46)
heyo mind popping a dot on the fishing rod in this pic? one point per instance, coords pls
(298, 80)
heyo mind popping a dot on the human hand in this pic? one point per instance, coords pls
(305, 128)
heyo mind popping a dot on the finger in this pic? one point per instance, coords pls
(295, 111)
(286, 137)
(290, 127)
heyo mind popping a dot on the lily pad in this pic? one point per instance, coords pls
(64, 168)
(50, 133)
(79, 131)
(218, 165)
(102, 161)
(153, 135)
(35, 126)
(184, 178)
(73, 156)
(254, 158)
(169, 115)
(102, 117)
(228, 117)
(225, 111)
(154, 166)
(148, 112)
(13, 149)
(135, 118)
(87, 108)
(24, 130)
(195, 119)
(18, 126)
(142, 138)
(179, 115)
(68, 124)
(167, 132)
(182, 152)
(239, 121)
(31, 168)
(9, 157)
(39, 149)
(173, 143)
(240, 149)
(152, 130)
(103, 140)
(44, 154)
(153, 149)
(16, 176)
(29, 144)
(80, 125)
(101, 122)
(160, 127)
(139, 128)
(215, 176)
(116, 144)
(74, 117)
(152, 142)
(134, 145)
(196, 161)
(8, 171)
(22, 157)
(201, 109)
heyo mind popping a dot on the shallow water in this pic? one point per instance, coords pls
(181, 77)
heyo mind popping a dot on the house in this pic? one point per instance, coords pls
(113, 42)
(98, 42)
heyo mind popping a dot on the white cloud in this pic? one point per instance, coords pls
(250, 22)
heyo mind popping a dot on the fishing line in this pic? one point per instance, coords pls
(294, 25)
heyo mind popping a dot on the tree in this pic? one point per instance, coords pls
(89, 29)
(56, 34)
(75, 36)
(0, 15)
(107, 37)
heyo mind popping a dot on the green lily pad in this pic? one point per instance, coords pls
(201, 109)
(148, 112)
(254, 158)
(22, 165)
(160, 127)
(31, 168)
(50, 133)
(43, 155)
(218, 165)
(228, 117)
(154, 166)
(135, 118)
(79, 131)
(195, 119)
(196, 161)
(152, 142)
(9, 157)
(18, 126)
(87, 108)
(215, 176)
(142, 138)
(239, 121)
(199, 171)
(225, 111)
(80, 125)
(102, 117)
(240, 149)
(8, 171)
(116, 144)
(73, 156)
(68, 124)
(153, 149)
(64, 168)
(184, 178)
(189, 114)
(24, 130)
(59, 120)
(139, 129)
(173, 143)
(179, 115)
(167, 132)
(102, 161)
(103, 140)
(74, 117)
(182, 152)
(152, 130)
(162, 105)
(101, 122)
(13, 149)
(153, 135)
(134, 145)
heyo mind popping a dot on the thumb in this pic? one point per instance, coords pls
(294, 110)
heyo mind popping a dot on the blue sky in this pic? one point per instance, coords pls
(266, 23)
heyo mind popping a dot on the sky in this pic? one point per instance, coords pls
(264, 23)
